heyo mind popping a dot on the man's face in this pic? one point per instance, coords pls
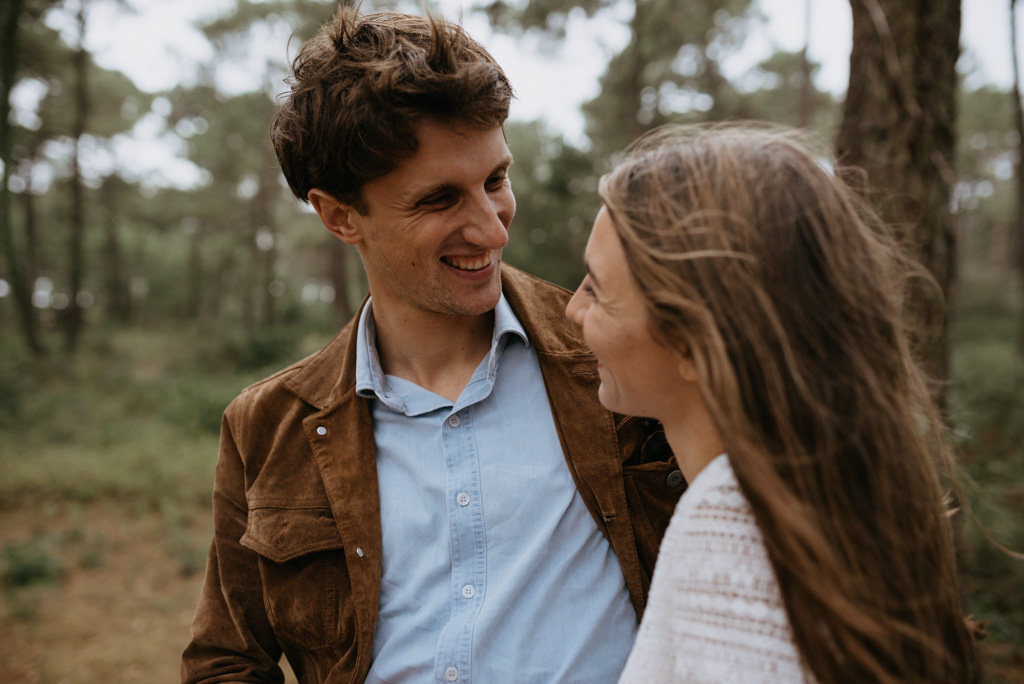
(434, 227)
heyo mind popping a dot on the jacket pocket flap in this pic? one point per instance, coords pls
(282, 534)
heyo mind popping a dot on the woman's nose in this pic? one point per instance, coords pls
(574, 309)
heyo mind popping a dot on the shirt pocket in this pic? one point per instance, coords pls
(305, 577)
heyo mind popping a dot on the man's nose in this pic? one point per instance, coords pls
(488, 218)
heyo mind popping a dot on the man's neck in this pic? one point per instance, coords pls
(438, 352)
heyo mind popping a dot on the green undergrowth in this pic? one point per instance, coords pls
(987, 413)
(133, 416)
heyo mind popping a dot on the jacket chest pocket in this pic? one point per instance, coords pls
(306, 586)
(653, 483)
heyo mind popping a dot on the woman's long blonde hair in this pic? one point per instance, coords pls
(786, 289)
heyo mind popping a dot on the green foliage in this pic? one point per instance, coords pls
(987, 407)
(135, 418)
(556, 193)
(15, 383)
(30, 563)
(547, 15)
(773, 94)
(264, 348)
(985, 199)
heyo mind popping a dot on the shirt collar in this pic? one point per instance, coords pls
(370, 379)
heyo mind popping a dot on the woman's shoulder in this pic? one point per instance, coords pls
(715, 492)
(715, 610)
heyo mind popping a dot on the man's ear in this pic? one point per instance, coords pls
(337, 217)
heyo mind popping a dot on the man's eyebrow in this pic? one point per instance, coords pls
(506, 162)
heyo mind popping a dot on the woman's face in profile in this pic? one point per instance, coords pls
(639, 376)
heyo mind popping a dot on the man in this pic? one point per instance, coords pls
(437, 495)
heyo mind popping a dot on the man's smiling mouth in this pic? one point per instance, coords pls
(470, 263)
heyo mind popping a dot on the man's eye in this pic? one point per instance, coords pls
(443, 199)
(497, 182)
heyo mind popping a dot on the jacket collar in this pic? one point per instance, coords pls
(325, 378)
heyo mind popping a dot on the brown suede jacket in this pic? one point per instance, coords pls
(295, 562)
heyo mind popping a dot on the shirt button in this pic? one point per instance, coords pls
(468, 591)
(451, 674)
(321, 431)
(674, 479)
(454, 420)
(463, 499)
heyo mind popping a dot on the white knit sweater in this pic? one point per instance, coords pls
(715, 612)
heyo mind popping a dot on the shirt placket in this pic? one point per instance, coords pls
(453, 661)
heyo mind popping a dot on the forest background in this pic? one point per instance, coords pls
(137, 299)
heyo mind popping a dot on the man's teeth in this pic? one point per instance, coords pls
(469, 264)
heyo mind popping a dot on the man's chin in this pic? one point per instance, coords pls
(483, 303)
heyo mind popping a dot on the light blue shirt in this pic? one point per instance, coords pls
(493, 569)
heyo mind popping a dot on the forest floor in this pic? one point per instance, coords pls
(117, 604)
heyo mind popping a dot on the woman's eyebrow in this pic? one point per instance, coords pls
(590, 274)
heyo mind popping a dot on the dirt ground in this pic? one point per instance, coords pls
(121, 607)
(120, 602)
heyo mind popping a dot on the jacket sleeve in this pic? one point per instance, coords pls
(232, 640)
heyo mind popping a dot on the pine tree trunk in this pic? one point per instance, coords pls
(21, 291)
(76, 255)
(898, 125)
(28, 201)
(266, 201)
(196, 282)
(1017, 225)
(803, 112)
(118, 299)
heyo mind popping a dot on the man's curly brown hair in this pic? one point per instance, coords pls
(361, 83)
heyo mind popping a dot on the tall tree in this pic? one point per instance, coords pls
(1018, 123)
(118, 298)
(231, 34)
(898, 125)
(76, 246)
(10, 19)
(804, 106)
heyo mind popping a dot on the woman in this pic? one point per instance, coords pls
(741, 294)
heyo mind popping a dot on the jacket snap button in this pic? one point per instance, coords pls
(674, 479)
(321, 431)
(359, 552)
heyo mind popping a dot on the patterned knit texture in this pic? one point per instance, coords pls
(715, 612)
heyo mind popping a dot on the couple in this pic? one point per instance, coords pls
(455, 490)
